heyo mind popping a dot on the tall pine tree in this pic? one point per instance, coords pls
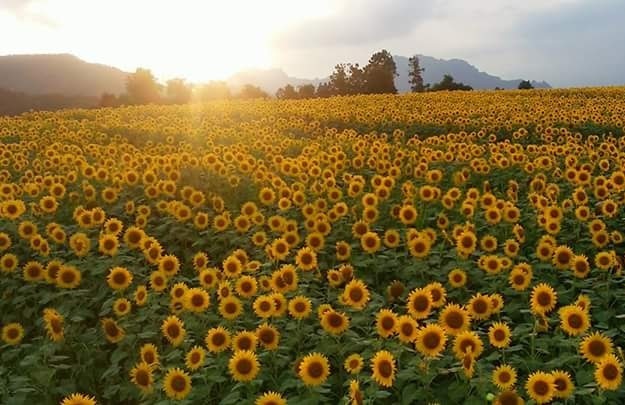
(415, 77)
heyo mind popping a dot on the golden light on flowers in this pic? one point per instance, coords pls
(365, 230)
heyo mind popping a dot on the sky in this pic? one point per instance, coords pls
(564, 42)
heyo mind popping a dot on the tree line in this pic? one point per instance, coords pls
(143, 88)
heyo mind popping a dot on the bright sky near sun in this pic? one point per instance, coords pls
(197, 40)
(565, 42)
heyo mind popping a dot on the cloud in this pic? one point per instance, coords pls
(22, 9)
(356, 22)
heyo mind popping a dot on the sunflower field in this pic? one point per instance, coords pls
(439, 248)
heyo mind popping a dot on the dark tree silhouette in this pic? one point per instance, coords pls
(142, 87)
(448, 83)
(525, 85)
(415, 77)
(108, 100)
(306, 91)
(287, 92)
(250, 91)
(339, 80)
(324, 90)
(380, 73)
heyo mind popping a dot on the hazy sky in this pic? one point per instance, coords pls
(565, 42)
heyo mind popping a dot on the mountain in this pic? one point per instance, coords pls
(59, 74)
(271, 80)
(461, 70)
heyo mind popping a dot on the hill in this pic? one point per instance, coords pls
(59, 74)
(461, 70)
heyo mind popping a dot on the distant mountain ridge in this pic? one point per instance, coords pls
(59, 74)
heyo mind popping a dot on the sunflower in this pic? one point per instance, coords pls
(314, 369)
(194, 358)
(12, 333)
(33, 271)
(280, 249)
(383, 368)
(334, 322)
(386, 321)
(370, 242)
(457, 278)
(609, 373)
(270, 398)
(479, 307)
(519, 279)
(246, 286)
(268, 336)
(574, 320)
(108, 244)
(177, 384)
(141, 376)
(353, 363)
(230, 308)
(540, 387)
(112, 332)
(466, 243)
(580, 266)
(595, 347)
(306, 259)
(605, 260)
(8, 263)
(279, 304)
(419, 303)
(467, 342)
(343, 251)
(53, 322)
(149, 354)
(119, 278)
(217, 339)
(508, 398)
(245, 340)
(158, 281)
(420, 246)
(264, 306)
(543, 299)
(355, 394)
(208, 278)
(68, 277)
(169, 265)
(300, 307)
(499, 335)
(454, 319)
(356, 294)
(78, 399)
(173, 330)
(196, 300)
(431, 340)
(121, 307)
(563, 384)
(562, 257)
(406, 328)
(504, 377)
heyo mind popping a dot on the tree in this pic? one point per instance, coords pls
(356, 80)
(324, 90)
(178, 91)
(380, 73)
(415, 77)
(448, 83)
(287, 92)
(142, 87)
(525, 85)
(250, 91)
(339, 80)
(214, 90)
(306, 91)
(108, 100)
